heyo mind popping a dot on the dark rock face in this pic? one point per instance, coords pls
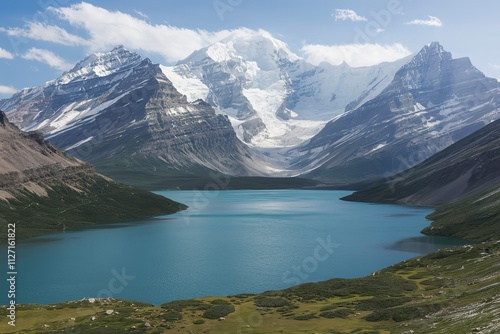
(432, 102)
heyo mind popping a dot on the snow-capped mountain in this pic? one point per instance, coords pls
(433, 101)
(273, 97)
(79, 95)
(119, 109)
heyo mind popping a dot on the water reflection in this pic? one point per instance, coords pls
(426, 244)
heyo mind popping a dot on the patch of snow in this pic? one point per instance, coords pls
(81, 142)
(378, 147)
(220, 52)
(34, 126)
(418, 107)
(70, 114)
(178, 111)
(186, 83)
(488, 195)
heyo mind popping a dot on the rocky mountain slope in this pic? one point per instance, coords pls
(119, 111)
(469, 165)
(432, 102)
(43, 189)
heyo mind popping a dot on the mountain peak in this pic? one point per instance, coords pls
(432, 50)
(119, 48)
(250, 45)
(429, 67)
(254, 43)
(435, 45)
(101, 65)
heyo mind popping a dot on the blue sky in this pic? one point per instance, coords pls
(39, 39)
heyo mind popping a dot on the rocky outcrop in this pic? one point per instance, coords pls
(27, 157)
(47, 175)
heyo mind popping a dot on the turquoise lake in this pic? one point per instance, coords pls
(227, 242)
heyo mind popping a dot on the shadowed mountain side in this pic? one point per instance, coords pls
(466, 175)
(476, 217)
(471, 164)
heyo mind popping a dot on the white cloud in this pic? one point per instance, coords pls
(432, 21)
(347, 14)
(7, 90)
(495, 66)
(47, 33)
(47, 57)
(107, 29)
(355, 55)
(6, 54)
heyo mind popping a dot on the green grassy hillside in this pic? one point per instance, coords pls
(97, 200)
(475, 217)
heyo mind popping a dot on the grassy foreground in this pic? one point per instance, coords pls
(454, 290)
